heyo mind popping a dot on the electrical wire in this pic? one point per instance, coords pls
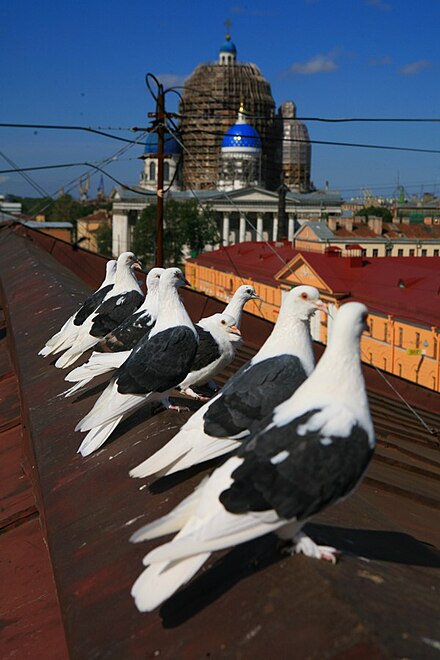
(87, 129)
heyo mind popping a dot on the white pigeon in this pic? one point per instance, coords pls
(157, 364)
(64, 339)
(234, 308)
(312, 452)
(219, 339)
(281, 365)
(121, 340)
(125, 297)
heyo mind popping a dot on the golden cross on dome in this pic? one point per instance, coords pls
(228, 25)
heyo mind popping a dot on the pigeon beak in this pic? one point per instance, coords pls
(185, 281)
(138, 265)
(234, 330)
(321, 306)
(255, 296)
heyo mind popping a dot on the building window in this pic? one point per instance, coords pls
(400, 252)
(411, 253)
(152, 172)
(375, 252)
(400, 336)
(417, 339)
(435, 253)
(166, 171)
(385, 331)
(424, 253)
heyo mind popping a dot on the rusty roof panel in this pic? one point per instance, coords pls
(380, 601)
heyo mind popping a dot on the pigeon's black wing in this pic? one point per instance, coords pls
(296, 475)
(208, 350)
(115, 310)
(159, 363)
(126, 335)
(92, 302)
(252, 394)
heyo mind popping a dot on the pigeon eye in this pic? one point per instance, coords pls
(304, 296)
(223, 322)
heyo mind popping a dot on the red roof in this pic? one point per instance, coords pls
(406, 287)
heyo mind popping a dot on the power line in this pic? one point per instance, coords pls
(87, 129)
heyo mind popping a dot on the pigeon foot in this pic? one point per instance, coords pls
(178, 408)
(302, 543)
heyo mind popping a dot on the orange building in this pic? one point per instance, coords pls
(402, 294)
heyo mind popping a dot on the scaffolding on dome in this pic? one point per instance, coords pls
(211, 99)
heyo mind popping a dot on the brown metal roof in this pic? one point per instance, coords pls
(380, 601)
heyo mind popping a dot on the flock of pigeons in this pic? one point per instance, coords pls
(297, 438)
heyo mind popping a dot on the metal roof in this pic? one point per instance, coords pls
(381, 600)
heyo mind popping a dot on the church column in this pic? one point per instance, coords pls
(259, 226)
(225, 228)
(242, 234)
(120, 233)
(275, 227)
(291, 226)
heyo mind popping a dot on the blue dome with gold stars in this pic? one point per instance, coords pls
(241, 136)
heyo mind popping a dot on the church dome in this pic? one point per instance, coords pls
(171, 146)
(228, 47)
(241, 136)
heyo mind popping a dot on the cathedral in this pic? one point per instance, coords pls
(231, 150)
(231, 135)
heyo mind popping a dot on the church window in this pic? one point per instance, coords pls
(166, 171)
(152, 171)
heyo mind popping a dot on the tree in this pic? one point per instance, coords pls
(104, 239)
(378, 211)
(185, 226)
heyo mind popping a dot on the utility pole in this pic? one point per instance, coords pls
(160, 117)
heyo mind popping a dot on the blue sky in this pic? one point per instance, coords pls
(84, 63)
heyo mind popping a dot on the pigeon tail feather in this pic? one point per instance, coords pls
(159, 581)
(97, 436)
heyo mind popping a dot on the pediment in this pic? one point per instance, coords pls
(253, 195)
(299, 271)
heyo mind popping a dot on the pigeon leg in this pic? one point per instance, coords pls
(301, 543)
(169, 406)
(189, 392)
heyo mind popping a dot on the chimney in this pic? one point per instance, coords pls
(375, 223)
(332, 223)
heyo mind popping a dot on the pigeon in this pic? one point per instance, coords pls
(64, 339)
(126, 335)
(235, 306)
(311, 452)
(125, 297)
(218, 341)
(281, 365)
(157, 364)
(121, 340)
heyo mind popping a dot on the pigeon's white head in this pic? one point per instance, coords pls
(153, 278)
(303, 301)
(351, 320)
(128, 260)
(172, 277)
(246, 292)
(110, 267)
(222, 325)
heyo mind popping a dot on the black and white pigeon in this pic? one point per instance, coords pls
(156, 365)
(124, 298)
(64, 339)
(310, 453)
(121, 340)
(219, 339)
(281, 365)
